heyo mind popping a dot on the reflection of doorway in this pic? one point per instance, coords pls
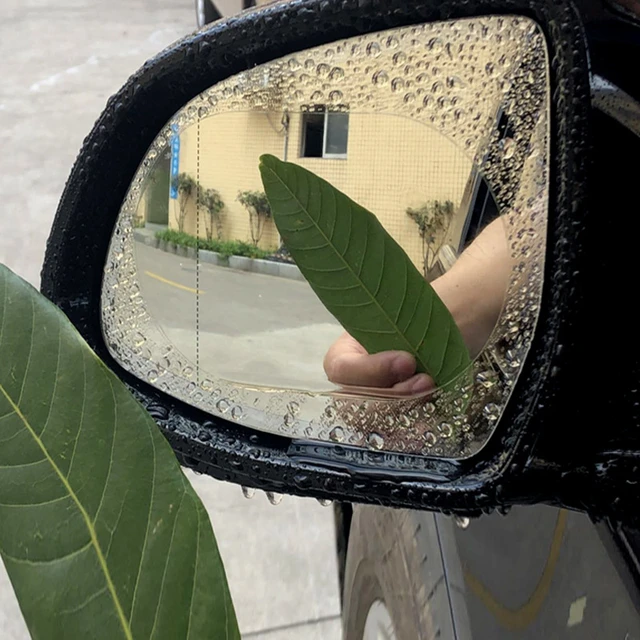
(158, 191)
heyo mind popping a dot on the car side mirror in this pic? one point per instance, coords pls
(464, 128)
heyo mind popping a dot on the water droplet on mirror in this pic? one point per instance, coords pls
(316, 96)
(373, 49)
(337, 434)
(505, 86)
(509, 147)
(274, 498)
(461, 522)
(443, 103)
(490, 69)
(486, 378)
(404, 420)
(288, 420)
(223, 405)
(380, 78)
(330, 414)
(454, 82)
(409, 98)
(324, 502)
(309, 64)
(436, 45)
(152, 376)
(322, 70)
(187, 371)
(459, 115)
(512, 359)
(428, 409)
(392, 42)
(294, 64)
(237, 412)
(202, 112)
(429, 438)
(397, 84)
(335, 96)
(445, 429)
(491, 412)
(375, 441)
(248, 492)
(399, 58)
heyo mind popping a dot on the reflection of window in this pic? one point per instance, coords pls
(325, 134)
(482, 207)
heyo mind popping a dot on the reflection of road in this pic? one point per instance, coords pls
(253, 328)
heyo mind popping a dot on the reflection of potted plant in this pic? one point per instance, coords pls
(186, 187)
(256, 203)
(433, 219)
(213, 205)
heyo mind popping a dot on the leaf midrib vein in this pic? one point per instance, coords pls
(356, 276)
(92, 532)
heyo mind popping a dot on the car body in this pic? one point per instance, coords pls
(535, 571)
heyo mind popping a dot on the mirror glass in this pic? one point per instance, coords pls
(441, 131)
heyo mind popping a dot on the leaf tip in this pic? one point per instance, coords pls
(269, 161)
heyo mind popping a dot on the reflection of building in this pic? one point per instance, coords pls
(385, 162)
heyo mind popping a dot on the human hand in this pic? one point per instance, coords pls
(347, 363)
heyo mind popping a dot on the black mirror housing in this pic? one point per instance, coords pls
(542, 450)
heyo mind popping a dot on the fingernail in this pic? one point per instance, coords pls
(403, 366)
(421, 384)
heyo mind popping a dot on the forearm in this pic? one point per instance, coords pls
(473, 289)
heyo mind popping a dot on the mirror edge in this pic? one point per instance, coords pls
(77, 248)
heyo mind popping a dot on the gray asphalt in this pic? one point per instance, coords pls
(253, 328)
(60, 60)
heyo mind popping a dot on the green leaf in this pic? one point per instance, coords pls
(100, 532)
(360, 273)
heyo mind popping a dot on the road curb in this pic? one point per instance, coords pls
(240, 263)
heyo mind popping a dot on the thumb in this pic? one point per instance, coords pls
(383, 369)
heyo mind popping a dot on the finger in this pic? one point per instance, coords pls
(419, 385)
(415, 385)
(383, 369)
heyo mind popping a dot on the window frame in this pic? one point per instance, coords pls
(303, 142)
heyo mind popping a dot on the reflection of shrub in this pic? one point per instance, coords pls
(186, 187)
(212, 203)
(223, 247)
(433, 220)
(256, 203)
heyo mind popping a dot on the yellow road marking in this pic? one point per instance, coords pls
(173, 284)
(516, 620)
